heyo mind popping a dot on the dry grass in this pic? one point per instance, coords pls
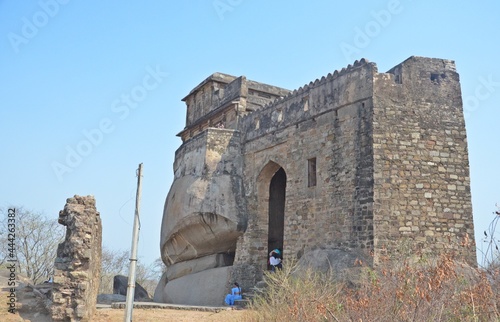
(440, 290)
(289, 297)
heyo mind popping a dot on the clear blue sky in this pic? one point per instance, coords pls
(106, 78)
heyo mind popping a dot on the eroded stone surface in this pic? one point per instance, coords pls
(78, 263)
(207, 287)
(199, 264)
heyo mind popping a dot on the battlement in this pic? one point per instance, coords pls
(320, 81)
(221, 99)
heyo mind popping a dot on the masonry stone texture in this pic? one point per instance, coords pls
(357, 160)
(78, 262)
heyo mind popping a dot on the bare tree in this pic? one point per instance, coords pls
(148, 276)
(113, 263)
(116, 262)
(35, 242)
(491, 257)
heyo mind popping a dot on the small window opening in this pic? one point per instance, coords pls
(435, 78)
(311, 172)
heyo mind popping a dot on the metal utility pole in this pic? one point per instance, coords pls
(133, 253)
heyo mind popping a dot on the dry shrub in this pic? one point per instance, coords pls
(288, 296)
(424, 291)
(440, 290)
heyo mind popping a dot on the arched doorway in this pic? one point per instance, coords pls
(276, 212)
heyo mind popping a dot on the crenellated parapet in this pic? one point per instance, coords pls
(321, 81)
(331, 93)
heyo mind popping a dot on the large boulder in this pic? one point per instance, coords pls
(198, 264)
(208, 288)
(191, 228)
(159, 295)
(120, 284)
(204, 216)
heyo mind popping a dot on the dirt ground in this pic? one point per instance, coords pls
(29, 308)
(153, 315)
(35, 313)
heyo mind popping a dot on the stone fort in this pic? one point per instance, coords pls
(357, 160)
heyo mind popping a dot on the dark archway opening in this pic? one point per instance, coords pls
(277, 189)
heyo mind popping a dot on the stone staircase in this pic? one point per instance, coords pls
(247, 297)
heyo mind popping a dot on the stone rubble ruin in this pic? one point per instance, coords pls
(78, 263)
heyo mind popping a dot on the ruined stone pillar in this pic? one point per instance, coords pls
(78, 263)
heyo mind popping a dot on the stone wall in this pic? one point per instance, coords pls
(329, 121)
(78, 263)
(221, 100)
(421, 171)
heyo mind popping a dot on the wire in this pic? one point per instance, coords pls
(124, 204)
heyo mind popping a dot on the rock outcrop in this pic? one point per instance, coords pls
(203, 219)
(78, 263)
(120, 284)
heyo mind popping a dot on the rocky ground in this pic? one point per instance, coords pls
(29, 307)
